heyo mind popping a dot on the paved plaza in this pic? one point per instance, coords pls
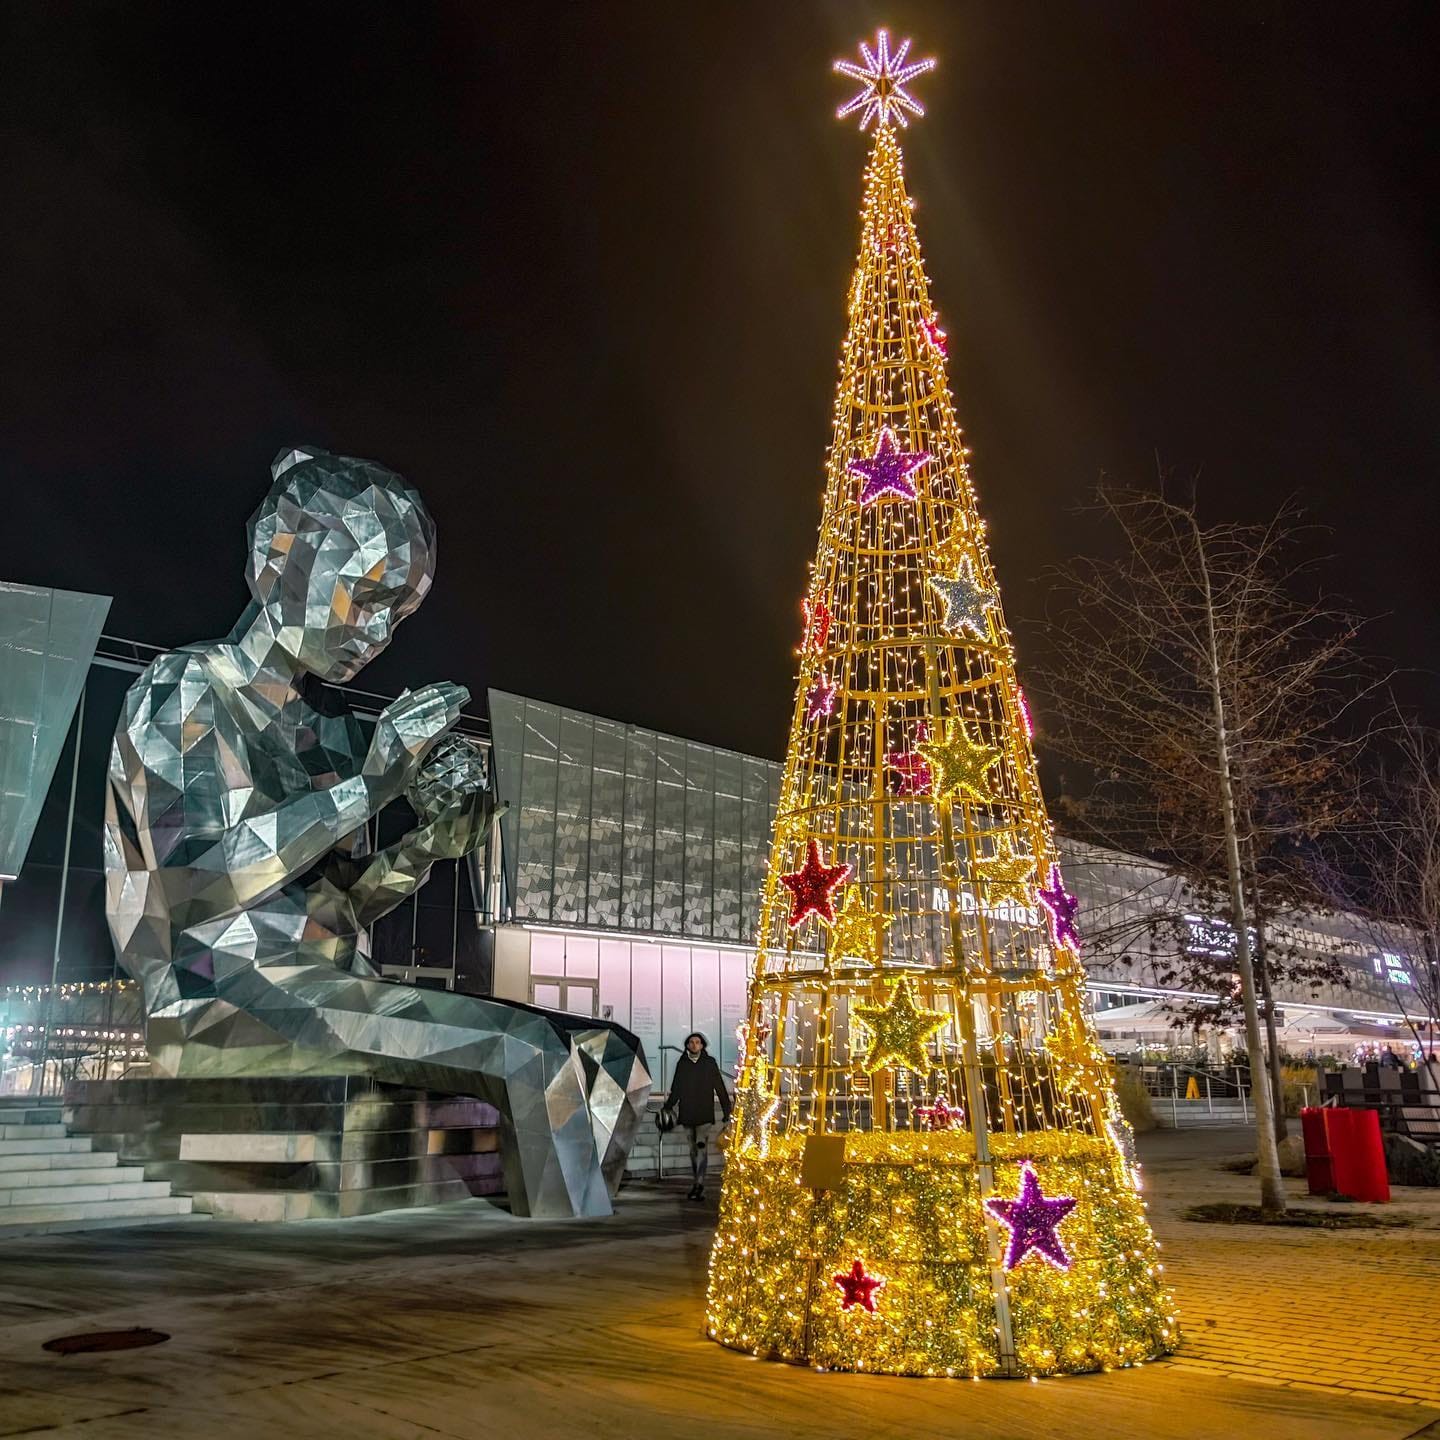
(463, 1322)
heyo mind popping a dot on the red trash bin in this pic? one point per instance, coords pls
(1344, 1154)
(1319, 1172)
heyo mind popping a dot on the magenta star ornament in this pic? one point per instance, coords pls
(1062, 907)
(1032, 1221)
(888, 470)
(820, 698)
(915, 775)
(939, 1116)
(858, 1288)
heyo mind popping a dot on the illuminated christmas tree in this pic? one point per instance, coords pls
(930, 1173)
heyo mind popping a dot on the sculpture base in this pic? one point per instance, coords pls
(294, 1149)
(908, 1209)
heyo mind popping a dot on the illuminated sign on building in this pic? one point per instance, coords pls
(1392, 968)
(1010, 911)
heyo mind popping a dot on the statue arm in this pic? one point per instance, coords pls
(352, 896)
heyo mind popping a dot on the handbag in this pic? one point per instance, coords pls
(664, 1121)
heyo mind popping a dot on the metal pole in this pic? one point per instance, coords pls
(1209, 1103)
(64, 878)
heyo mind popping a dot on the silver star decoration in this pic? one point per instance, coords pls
(967, 601)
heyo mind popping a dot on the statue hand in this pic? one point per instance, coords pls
(406, 730)
(450, 793)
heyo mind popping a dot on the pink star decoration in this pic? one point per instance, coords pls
(916, 777)
(939, 1116)
(820, 698)
(858, 1288)
(1062, 908)
(1032, 1221)
(935, 337)
(888, 470)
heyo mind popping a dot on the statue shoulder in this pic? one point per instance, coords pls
(181, 688)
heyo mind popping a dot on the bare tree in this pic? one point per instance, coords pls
(1201, 694)
(1400, 880)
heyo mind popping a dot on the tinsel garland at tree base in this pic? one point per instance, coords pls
(910, 1212)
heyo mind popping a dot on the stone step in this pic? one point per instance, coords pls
(32, 1132)
(28, 1219)
(27, 1159)
(82, 1195)
(61, 1145)
(15, 1181)
(29, 1114)
(274, 1148)
(254, 1205)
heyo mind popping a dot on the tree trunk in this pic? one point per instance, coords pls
(1272, 1186)
(1267, 995)
(1277, 1079)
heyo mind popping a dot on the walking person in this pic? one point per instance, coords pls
(696, 1086)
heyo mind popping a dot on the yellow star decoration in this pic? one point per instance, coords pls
(1080, 1063)
(959, 764)
(899, 1030)
(1007, 875)
(856, 934)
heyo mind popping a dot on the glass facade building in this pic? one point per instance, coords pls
(655, 844)
(630, 866)
(616, 826)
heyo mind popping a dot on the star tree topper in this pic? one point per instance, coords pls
(884, 76)
(812, 885)
(888, 470)
(899, 1031)
(967, 601)
(960, 764)
(1032, 1221)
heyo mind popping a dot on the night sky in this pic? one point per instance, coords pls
(579, 272)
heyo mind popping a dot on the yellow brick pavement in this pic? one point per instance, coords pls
(1331, 1312)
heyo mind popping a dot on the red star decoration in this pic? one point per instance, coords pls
(812, 886)
(858, 1288)
(817, 626)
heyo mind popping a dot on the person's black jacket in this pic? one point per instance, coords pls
(696, 1087)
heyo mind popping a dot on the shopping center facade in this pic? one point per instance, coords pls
(629, 865)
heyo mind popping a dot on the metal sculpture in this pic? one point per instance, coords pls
(239, 880)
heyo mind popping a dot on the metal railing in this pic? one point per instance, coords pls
(1172, 1083)
(49, 1036)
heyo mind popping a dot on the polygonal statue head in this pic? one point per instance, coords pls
(341, 551)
